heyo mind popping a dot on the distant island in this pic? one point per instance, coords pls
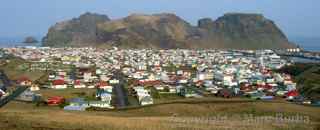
(168, 31)
(30, 40)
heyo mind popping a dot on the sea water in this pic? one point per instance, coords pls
(309, 44)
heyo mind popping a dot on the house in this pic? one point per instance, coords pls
(205, 76)
(57, 100)
(58, 84)
(258, 95)
(76, 104)
(2, 92)
(226, 79)
(79, 84)
(87, 76)
(137, 75)
(292, 94)
(34, 87)
(51, 77)
(104, 78)
(149, 83)
(212, 88)
(75, 108)
(270, 80)
(281, 92)
(28, 96)
(104, 85)
(100, 104)
(180, 72)
(98, 71)
(179, 89)
(24, 81)
(143, 96)
(225, 93)
(246, 88)
(201, 76)
(146, 100)
(114, 81)
(187, 92)
(159, 87)
(106, 97)
(91, 86)
(172, 89)
(182, 81)
(62, 74)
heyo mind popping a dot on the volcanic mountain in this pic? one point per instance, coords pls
(168, 31)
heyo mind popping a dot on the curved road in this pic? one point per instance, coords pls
(121, 95)
(5, 80)
(7, 83)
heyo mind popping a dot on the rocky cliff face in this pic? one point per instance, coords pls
(78, 31)
(30, 40)
(234, 30)
(242, 31)
(146, 31)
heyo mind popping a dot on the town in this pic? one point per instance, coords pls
(135, 78)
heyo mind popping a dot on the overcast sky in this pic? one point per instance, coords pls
(20, 18)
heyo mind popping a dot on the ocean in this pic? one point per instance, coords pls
(15, 41)
(309, 44)
(16, 44)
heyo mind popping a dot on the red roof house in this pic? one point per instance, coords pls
(58, 82)
(77, 82)
(24, 81)
(55, 100)
(293, 93)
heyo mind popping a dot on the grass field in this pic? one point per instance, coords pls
(170, 112)
(13, 72)
(68, 93)
(175, 116)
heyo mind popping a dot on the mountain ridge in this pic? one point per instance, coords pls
(168, 31)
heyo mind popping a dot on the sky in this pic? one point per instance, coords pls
(21, 18)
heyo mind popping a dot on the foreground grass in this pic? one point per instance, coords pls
(179, 116)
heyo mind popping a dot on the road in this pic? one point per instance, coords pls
(121, 95)
(13, 95)
(5, 80)
(7, 83)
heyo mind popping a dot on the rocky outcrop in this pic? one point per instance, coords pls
(76, 32)
(236, 30)
(233, 30)
(146, 31)
(30, 40)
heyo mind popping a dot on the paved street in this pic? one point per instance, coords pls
(121, 95)
(5, 80)
(7, 83)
